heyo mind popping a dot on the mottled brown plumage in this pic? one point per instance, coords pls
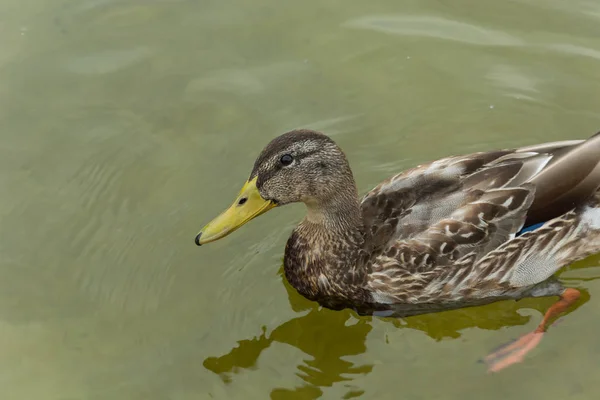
(442, 235)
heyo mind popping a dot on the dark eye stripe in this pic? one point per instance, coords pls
(265, 175)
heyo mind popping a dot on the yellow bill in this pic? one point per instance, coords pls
(248, 205)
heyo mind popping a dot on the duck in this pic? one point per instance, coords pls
(461, 231)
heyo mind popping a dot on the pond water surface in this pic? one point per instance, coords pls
(126, 125)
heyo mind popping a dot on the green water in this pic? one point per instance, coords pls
(126, 125)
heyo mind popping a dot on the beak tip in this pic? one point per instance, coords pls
(198, 239)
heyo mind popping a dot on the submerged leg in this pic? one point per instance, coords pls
(514, 352)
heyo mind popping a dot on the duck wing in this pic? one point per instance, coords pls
(449, 216)
(561, 175)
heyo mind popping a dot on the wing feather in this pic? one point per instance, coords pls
(449, 228)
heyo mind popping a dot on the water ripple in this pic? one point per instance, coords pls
(105, 62)
(434, 27)
(574, 50)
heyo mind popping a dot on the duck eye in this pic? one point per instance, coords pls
(286, 159)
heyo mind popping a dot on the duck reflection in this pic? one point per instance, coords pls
(329, 337)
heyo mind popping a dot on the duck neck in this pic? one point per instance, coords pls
(322, 259)
(339, 216)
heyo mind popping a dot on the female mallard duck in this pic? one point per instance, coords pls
(457, 232)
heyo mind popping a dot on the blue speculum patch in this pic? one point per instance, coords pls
(530, 228)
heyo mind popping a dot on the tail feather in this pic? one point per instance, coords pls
(569, 179)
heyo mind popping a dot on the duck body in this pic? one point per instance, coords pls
(453, 233)
(456, 232)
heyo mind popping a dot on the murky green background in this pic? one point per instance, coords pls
(126, 125)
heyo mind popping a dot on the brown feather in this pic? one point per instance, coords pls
(443, 234)
(571, 177)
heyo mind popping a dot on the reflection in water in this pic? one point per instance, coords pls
(307, 333)
(318, 334)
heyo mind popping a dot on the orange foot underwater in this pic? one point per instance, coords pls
(515, 351)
